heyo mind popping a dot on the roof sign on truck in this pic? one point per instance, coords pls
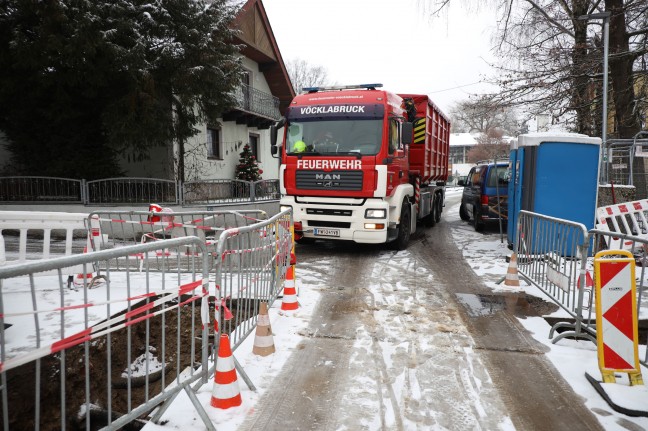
(355, 111)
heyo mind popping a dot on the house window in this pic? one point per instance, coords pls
(214, 144)
(254, 146)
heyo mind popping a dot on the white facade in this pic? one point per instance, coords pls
(199, 161)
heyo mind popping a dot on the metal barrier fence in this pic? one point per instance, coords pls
(101, 354)
(124, 228)
(128, 191)
(250, 255)
(549, 255)
(101, 357)
(556, 256)
(625, 163)
(250, 267)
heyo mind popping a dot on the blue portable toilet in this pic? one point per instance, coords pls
(554, 174)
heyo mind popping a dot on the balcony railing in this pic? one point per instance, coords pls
(257, 102)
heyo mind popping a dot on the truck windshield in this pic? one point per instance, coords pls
(334, 137)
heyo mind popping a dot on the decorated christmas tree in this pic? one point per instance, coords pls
(248, 168)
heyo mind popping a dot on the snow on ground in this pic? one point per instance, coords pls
(486, 255)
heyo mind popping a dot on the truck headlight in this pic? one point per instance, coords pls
(376, 213)
(284, 208)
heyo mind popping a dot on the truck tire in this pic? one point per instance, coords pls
(463, 214)
(429, 220)
(401, 241)
(438, 208)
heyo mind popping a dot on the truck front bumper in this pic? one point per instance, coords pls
(339, 219)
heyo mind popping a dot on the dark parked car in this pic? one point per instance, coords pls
(484, 198)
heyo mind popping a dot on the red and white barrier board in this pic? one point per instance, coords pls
(629, 218)
(616, 315)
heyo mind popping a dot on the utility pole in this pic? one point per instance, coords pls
(605, 16)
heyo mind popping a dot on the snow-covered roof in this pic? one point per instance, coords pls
(534, 139)
(462, 140)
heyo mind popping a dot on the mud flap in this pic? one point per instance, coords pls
(616, 402)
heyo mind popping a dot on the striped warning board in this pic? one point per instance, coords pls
(419, 131)
(616, 315)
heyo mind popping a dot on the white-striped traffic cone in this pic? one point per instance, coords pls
(512, 279)
(289, 302)
(263, 341)
(226, 392)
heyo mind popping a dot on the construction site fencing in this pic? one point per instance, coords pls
(626, 163)
(143, 321)
(76, 357)
(550, 255)
(250, 268)
(557, 256)
(250, 255)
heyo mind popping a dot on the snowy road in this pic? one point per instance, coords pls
(390, 346)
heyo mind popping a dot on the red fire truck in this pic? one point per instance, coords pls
(362, 164)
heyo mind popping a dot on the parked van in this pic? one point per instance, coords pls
(484, 198)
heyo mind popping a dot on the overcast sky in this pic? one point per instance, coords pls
(393, 42)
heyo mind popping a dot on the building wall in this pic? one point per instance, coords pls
(233, 138)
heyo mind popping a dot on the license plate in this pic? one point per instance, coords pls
(326, 232)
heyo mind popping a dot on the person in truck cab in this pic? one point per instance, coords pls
(299, 147)
(325, 143)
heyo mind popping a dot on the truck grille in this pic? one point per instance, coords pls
(329, 212)
(334, 180)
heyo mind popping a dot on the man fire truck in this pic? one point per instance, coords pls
(362, 164)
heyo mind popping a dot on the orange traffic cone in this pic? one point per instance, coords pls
(263, 341)
(225, 393)
(289, 292)
(512, 278)
(89, 279)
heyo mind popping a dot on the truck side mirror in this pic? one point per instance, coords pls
(407, 133)
(273, 140)
(273, 135)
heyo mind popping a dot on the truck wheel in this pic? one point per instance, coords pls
(401, 241)
(463, 214)
(438, 209)
(429, 220)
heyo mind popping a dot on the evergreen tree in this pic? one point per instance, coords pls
(248, 167)
(83, 83)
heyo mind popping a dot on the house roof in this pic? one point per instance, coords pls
(462, 140)
(259, 44)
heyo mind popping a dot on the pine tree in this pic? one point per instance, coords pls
(248, 167)
(86, 83)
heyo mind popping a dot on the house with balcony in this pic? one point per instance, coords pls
(265, 93)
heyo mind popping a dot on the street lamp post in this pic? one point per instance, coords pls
(605, 16)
